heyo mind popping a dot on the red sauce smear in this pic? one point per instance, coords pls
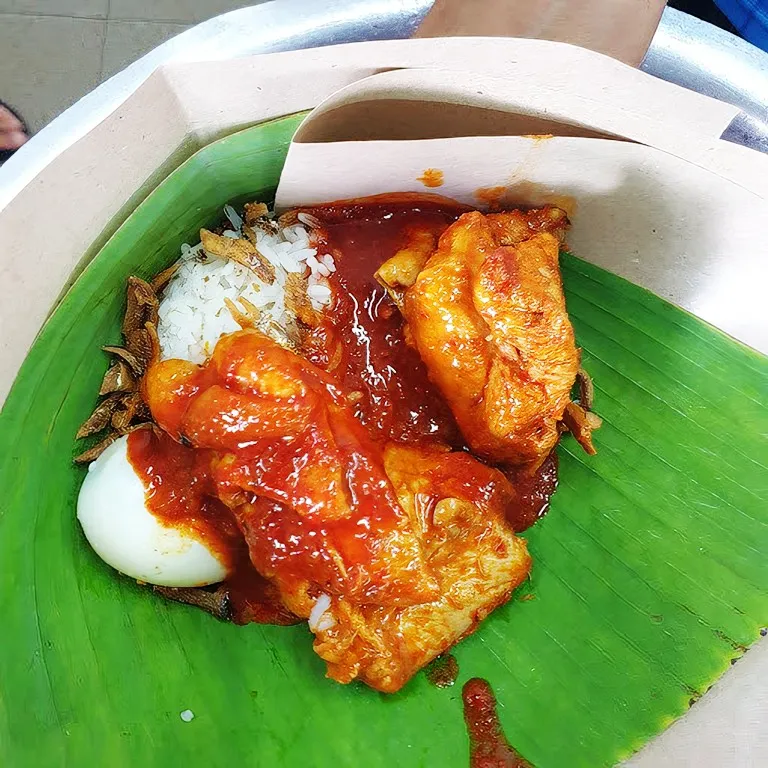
(377, 391)
(180, 492)
(397, 399)
(488, 747)
(491, 197)
(443, 671)
(432, 177)
(254, 599)
(534, 493)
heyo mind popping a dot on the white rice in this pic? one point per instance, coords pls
(193, 311)
(194, 315)
(320, 618)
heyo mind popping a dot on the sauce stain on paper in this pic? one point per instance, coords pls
(523, 194)
(432, 177)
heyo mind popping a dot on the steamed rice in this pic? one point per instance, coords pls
(193, 308)
(320, 617)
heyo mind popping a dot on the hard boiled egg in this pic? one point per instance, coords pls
(111, 509)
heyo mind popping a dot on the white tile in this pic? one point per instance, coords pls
(92, 9)
(189, 11)
(48, 63)
(128, 40)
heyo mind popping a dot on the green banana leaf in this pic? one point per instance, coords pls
(649, 571)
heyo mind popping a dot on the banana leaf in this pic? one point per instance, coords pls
(649, 571)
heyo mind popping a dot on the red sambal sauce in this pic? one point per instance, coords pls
(180, 492)
(392, 396)
(397, 401)
(533, 491)
(254, 599)
(488, 746)
(443, 671)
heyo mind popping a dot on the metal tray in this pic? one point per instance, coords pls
(685, 51)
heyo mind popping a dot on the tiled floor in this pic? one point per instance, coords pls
(52, 52)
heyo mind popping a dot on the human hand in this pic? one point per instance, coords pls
(12, 131)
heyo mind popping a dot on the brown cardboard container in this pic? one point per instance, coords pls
(91, 187)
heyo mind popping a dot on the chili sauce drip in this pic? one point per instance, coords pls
(443, 671)
(533, 493)
(488, 747)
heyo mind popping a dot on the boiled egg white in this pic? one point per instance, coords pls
(112, 511)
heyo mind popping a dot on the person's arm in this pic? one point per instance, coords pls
(620, 28)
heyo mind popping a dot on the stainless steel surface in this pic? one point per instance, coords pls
(709, 60)
(749, 131)
(684, 51)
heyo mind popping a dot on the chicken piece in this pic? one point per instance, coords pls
(392, 554)
(512, 227)
(400, 272)
(457, 506)
(288, 451)
(488, 317)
